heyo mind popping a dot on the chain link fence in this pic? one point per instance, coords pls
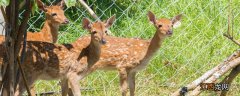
(197, 46)
(1, 24)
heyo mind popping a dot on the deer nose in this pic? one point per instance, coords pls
(103, 41)
(170, 32)
(66, 21)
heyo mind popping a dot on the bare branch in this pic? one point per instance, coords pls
(12, 15)
(196, 82)
(89, 10)
(23, 76)
(232, 39)
(209, 73)
(229, 17)
(230, 25)
(23, 27)
(4, 14)
(228, 79)
(218, 74)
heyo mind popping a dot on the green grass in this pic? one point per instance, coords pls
(197, 46)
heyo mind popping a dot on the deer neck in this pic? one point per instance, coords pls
(88, 48)
(50, 31)
(91, 50)
(94, 51)
(154, 46)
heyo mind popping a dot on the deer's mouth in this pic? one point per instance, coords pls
(169, 33)
(103, 41)
(66, 21)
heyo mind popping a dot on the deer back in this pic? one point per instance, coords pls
(121, 52)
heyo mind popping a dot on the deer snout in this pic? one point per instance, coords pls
(66, 21)
(103, 41)
(170, 32)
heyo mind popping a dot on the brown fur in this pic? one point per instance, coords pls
(49, 32)
(131, 55)
(49, 61)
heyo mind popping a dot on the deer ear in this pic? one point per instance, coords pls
(61, 4)
(176, 21)
(151, 17)
(110, 21)
(86, 23)
(41, 5)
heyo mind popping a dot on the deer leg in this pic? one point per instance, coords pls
(32, 89)
(82, 75)
(70, 93)
(123, 81)
(64, 86)
(131, 82)
(89, 71)
(73, 81)
(21, 87)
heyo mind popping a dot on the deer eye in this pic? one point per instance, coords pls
(106, 31)
(54, 14)
(94, 32)
(159, 26)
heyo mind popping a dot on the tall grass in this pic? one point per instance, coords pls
(197, 46)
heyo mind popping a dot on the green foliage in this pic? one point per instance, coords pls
(34, 7)
(70, 3)
(4, 2)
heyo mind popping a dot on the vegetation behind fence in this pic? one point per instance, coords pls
(197, 46)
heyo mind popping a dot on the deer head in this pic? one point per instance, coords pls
(55, 13)
(98, 30)
(165, 26)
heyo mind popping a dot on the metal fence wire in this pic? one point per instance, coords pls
(1, 24)
(195, 47)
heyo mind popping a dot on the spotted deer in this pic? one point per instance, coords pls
(54, 18)
(49, 32)
(49, 61)
(128, 55)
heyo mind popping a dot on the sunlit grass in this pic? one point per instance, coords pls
(197, 46)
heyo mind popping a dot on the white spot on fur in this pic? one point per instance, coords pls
(135, 52)
(110, 59)
(125, 56)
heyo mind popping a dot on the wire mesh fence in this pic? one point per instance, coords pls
(1, 24)
(197, 46)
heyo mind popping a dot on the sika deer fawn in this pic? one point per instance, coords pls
(49, 33)
(54, 18)
(49, 61)
(131, 55)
